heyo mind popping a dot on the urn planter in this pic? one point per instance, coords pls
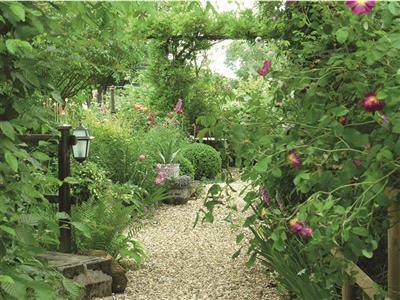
(170, 170)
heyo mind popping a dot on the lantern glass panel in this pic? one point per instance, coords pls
(81, 149)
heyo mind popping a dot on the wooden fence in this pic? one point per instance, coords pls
(363, 281)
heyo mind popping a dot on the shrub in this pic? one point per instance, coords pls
(205, 159)
(186, 167)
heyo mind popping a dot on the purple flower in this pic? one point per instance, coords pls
(265, 196)
(293, 158)
(360, 6)
(371, 103)
(296, 225)
(263, 70)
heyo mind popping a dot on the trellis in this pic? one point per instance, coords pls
(367, 285)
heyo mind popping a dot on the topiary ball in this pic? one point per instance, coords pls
(186, 167)
(205, 159)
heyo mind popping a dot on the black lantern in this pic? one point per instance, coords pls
(81, 148)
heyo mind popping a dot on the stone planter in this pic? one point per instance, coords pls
(179, 190)
(170, 170)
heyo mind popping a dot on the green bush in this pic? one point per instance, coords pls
(205, 159)
(186, 167)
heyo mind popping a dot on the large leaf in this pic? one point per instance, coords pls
(7, 129)
(11, 161)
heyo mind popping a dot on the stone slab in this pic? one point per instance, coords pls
(92, 272)
(71, 265)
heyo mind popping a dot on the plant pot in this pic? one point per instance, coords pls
(170, 170)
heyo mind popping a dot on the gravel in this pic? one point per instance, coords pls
(194, 263)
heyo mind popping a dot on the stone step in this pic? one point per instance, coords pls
(92, 272)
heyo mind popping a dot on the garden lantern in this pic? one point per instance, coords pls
(81, 148)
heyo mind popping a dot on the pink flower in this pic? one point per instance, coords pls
(263, 70)
(357, 162)
(360, 6)
(306, 231)
(293, 158)
(142, 157)
(371, 103)
(265, 196)
(178, 107)
(158, 166)
(160, 178)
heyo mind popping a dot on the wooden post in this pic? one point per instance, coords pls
(64, 194)
(394, 251)
(347, 289)
(112, 90)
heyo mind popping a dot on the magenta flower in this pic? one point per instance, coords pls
(357, 162)
(160, 178)
(306, 231)
(297, 226)
(265, 196)
(360, 6)
(263, 70)
(178, 107)
(293, 158)
(371, 103)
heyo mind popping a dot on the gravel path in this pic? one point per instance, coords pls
(193, 263)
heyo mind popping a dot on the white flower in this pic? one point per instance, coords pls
(258, 39)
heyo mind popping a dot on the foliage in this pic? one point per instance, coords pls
(168, 154)
(186, 167)
(348, 170)
(205, 159)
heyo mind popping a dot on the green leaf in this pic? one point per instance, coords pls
(11, 161)
(250, 220)
(7, 129)
(251, 260)
(342, 35)
(361, 231)
(18, 10)
(40, 156)
(13, 45)
(394, 8)
(71, 180)
(276, 172)
(236, 254)
(261, 166)
(83, 228)
(15, 289)
(239, 238)
(396, 125)
(367, 253)
(8, 230)
(71, 287)
(6, 278)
